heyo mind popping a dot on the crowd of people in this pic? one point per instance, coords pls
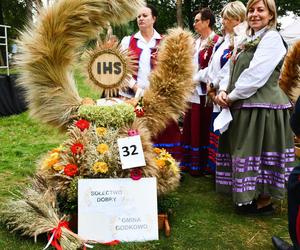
(237, 70)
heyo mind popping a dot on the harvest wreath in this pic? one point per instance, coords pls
(90, 151)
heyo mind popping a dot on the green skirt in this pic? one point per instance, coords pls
(255, 154)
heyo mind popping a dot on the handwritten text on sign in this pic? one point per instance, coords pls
(117, 209)
(131, 152)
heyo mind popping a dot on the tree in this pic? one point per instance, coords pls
(179, 13)
(12, 13)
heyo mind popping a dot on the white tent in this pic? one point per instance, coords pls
(291, 33)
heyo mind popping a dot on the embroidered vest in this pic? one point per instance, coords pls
(136, 52)
(269, 96)
(204, 58)
(205, 54)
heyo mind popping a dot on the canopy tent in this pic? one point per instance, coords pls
(291, 33)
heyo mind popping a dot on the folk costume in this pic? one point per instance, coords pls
(256, 151)
(217, 74)
(195, 137)
(142, 51)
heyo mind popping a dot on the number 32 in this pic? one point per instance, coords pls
(126, 150)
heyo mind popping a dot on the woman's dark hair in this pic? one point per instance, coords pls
(154, 11)
(207, 14)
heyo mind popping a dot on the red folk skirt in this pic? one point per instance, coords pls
(195, 138)
(169, 139)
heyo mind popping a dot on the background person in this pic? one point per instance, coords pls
(256, 150)
(195, 137)
(144, 45)
(216, 75)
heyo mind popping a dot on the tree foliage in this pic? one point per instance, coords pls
(13, 13)
(167, 12)
(16, 13)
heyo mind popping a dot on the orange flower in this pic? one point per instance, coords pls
(51, 160)
(57, 150)
(102, 148)
(157, 150)
(160, 163)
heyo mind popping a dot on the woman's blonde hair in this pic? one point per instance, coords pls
(270, 4)
(235, 10)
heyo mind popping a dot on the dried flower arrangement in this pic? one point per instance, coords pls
(91, 148)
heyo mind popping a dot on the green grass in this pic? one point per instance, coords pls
(203, 219)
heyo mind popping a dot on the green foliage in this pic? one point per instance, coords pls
(14, 13)
(114, 116)
(167, 203)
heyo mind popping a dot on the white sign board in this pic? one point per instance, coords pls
(117, 209)
(131, 152)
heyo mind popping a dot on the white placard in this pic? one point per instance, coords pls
(131, 152)
(117, 209)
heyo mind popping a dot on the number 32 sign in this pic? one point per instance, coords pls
(131, 152)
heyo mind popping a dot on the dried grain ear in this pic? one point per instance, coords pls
(290, 75)
(51, 46)
(171, 81)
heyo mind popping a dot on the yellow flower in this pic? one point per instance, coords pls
(58, 167)
(160, 163)
(51, 160)
(157, 150)
(57, 150)
(100, 167)
(102, 148)
(174, 168)
(101, 131)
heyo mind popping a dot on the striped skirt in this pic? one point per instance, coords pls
(256, 154)
(195, 138)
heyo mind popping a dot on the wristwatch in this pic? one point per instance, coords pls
(211, 85)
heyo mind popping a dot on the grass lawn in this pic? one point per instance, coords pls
(203, 219)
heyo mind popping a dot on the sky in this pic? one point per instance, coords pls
(287, 20)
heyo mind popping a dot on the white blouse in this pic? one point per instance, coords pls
(213, 72)
(268, 54)
(199, 45)
(145, 57)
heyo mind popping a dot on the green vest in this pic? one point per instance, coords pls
(269, 96)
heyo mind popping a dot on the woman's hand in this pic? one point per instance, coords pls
(211, 93)
(135, 88)
(222, 99)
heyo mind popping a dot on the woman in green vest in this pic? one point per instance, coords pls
(256, 151)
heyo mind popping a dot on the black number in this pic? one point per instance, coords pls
(126, 150)
(134, 150)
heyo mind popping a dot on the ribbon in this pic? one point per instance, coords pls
(111, 243)
(56, 234)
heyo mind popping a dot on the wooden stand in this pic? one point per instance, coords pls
(163, 223)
